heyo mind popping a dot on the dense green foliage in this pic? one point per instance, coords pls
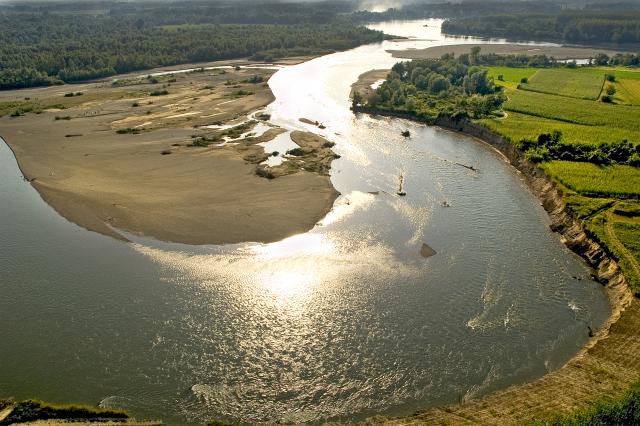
(621, 411)
(51, 43)
(431, 88)
(33, 410)
(571, 26)
(551, 147)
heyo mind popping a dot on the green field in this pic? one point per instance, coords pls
(628, 91)
(592, 180)
(565, 100)
(575, 85)
(511, 77)
(518, 126)
(576, 111)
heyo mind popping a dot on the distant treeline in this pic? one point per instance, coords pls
(50, 43)
(421, 10)
(570, 26)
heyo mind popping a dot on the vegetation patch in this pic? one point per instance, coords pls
(432, 88)
(33, 410)
(159, 93)
(128, 131)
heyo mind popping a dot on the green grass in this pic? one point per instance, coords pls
(624, 410)
(618, 72)
(597, 181)
(628, 234)
(510, 76)
(566, 82)
(584, 207)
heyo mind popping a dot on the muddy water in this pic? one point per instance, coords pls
(342, 322)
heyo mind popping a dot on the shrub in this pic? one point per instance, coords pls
(159, 92)
(128, 130)
(538, 155)
(33, 410)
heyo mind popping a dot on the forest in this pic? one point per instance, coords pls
(587, 26)
(52, 43)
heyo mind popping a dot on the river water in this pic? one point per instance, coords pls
(343, 322)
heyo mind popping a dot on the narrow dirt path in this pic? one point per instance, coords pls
(611, 235)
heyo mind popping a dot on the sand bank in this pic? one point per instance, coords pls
(558, 52)
(137, 156)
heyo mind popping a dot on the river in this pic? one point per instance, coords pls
(342, 322)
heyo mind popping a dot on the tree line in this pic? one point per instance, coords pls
(51, 43)
(570, 26)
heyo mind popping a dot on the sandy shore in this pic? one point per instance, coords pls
(122, 157)
(605, 367)
(501, 49)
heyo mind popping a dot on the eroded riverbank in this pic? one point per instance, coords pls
(602, 368)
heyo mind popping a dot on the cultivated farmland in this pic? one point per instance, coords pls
(575, 85)
(592, 180)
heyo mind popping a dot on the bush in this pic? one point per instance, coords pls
(33, 410)
(159, 93)
(128, 130)
(538, 155)
(524, 80)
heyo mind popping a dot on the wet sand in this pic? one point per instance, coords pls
(148, 179)
(558, 52)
